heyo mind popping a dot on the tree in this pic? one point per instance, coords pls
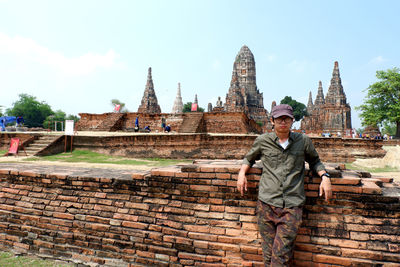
(58, 116)
(388, 128)
(33, 111)
(299, 109)
(188, 108)
(122, 108)
(382, 103)
(1, 111)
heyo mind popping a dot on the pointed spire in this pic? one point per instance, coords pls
(335, 94)
(178, 104)
(273, 104)
(149, 102)
(310, 103)
(319, 100)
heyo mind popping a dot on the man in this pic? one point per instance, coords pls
(281, 189)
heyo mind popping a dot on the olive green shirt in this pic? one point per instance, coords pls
(282, 179)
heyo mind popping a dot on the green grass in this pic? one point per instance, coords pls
(9, 260)
(385, 169)
(93, 157)
(2, 152)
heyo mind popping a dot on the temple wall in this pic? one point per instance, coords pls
(209, 146)
(213, 122)
(192, 216)
(206, 146)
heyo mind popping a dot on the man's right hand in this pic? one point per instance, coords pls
(242, 183)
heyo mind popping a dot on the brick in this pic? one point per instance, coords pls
(202, 236)
(190, 256)
(358, 253)
(133, 205)
(241, 210)
(206, 188)
(223, 175)
(66, 216)
(197, 228)
(332, 259)
(136, 225)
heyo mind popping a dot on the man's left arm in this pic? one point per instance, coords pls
(312, 157)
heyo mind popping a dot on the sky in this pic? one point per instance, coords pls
(78, 55)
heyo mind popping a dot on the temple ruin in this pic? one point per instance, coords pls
(149, 102)
(330, 114)
(178, 104)
(243, 94)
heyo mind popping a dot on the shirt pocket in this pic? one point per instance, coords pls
(296, 159)
(271, 159)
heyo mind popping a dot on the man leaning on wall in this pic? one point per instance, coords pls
(281, 193)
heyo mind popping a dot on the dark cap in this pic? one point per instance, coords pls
(282, 110)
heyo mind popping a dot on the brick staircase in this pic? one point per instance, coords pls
(38, 144)
(112, 123)
(191, 122)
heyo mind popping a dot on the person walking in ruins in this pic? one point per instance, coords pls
(281, 193)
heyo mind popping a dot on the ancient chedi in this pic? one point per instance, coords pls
(243, 95)
(332, 113)
(149, 102)
(178, 104)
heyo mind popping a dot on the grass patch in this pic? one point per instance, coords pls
(9, 260)
(384, 169)
(94, 157)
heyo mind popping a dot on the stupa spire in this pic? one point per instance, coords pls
(335, 94)
(178, 104)
(319, 100)
(149, 102)
(310, 103)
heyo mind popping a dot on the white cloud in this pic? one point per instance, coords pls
(27, 49)
(377, 60)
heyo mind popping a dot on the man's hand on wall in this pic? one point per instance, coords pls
(242, 183)
(325, 188)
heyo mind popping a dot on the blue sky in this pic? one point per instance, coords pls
(78, 55)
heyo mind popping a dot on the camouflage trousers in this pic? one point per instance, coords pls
(278, 229)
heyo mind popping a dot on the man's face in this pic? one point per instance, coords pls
(282, 124)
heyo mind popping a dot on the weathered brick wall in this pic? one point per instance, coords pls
(214, 122)
(192, 216)
(229, 122)
(209, 146)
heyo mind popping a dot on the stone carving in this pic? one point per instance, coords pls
(332, 114)
(178, 104)
(149, 102)
(243, 94)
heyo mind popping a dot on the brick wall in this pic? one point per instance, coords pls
(214, 122)
(191, 216)
(209, 146)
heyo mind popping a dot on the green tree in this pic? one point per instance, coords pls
(33, 111)
(1, 111)
(382, 103)
(299, 109)
(58, 116)
(54, 120)
(388, 128)
(122, 108)
(188, 108)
